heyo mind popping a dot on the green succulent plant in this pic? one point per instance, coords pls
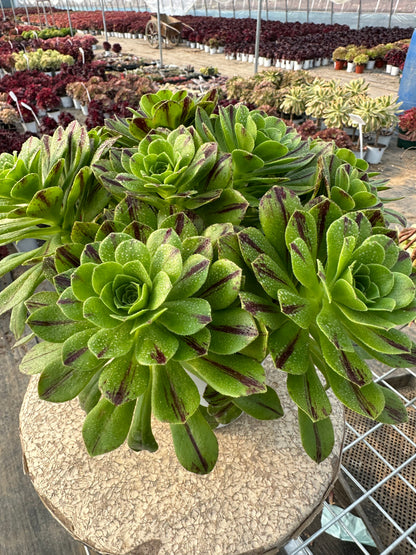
(127, 325)
(164, 109)
(334, 287)
(44, 190)
(294, 101)
(171, 257)
(263, 150)
(176, 169)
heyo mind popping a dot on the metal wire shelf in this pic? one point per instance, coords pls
(379, 471)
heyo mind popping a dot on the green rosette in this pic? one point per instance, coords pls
(334, 290)
(131, 323)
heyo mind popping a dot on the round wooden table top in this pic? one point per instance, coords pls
(263, 490)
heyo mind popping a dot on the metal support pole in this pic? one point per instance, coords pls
(286, 11)
(249, 9)
(52, 14)
(159, 33)
(307, 11)
(267, 10)
(219, 9)
(332, 13)
(14, 14)
(104, 23)
(69, 19)
(206, 8)
(391, 13)
(44, 13)
(39, 19)
(234, 9)
(258, 29)
(2, 9)
(359, 16)
(27, 14)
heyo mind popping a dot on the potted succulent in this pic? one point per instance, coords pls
(360, 61)
(339, 56)
(352, 52)
(48, 101)
(116, 48)
(77, 91)
(378, 114)
(372, 56)
(171, 258)
(407, 129)
(8, 116)
(294, 102)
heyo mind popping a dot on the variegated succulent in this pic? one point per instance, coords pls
(334, 289)
(127, 327)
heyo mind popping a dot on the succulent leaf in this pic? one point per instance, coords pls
(195, 444)
(106, 426)
(317, 437)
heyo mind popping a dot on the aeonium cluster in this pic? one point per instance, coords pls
(171, 257)
(128, 323)
(334, 287)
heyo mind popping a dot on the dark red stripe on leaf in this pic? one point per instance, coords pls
(74, 356)
(65, 255)
(195, 346)
(47, 324)
(251, 383)
(281, 360)
(102, 352)
(321, 222)
(202, 318)
(118, 397)
(167, 235)
(244, 237)
(296, 249)
(354, 374)
(254, 308)
(158, 356)
(92, 252)
(236, 206)
(48, 392)
(62, 281)
(281, 195)
(180, 223)
(317, 442)
(236, 330)
(177, 405)
(300, 221)
(215, 286)
(202, 460)
(264, 271)
(364, 403)
(196, 268)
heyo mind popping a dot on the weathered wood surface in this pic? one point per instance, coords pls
(26, 526)
(263, 490)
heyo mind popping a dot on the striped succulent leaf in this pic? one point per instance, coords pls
(341, 286)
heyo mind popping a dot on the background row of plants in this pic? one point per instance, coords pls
(287, 94)
(279, 40)
(45, 55)
(327, 102)
(390, 53)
